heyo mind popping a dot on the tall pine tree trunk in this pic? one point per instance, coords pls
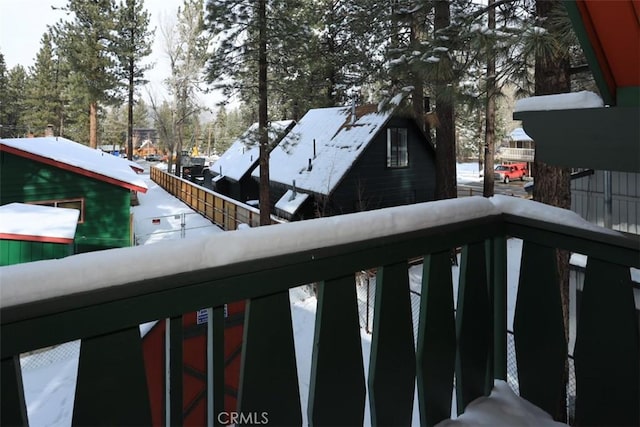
(93, 124)
(445, 133)
(265, 202)
(553, 184)
(130, 112)
(490, 113)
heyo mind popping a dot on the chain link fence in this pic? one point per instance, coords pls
(50, 355)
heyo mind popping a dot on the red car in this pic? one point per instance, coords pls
(506, 173)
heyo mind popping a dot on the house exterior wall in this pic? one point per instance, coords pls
(106, 207)
(587, 199)
(19, 251)
(370, 184)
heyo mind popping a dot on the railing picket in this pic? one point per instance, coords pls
(13, 411)
(268, 376)
(436, 350)
(538, 326)
(111, 387)
(474, 327)
(607, 350)
(392, 367)
(337, 383)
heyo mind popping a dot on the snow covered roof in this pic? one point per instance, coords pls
(290, 202)
(518, 134)
(244, 153)
(321, 148)
(20, 221)
(69, 155)
(562, 101)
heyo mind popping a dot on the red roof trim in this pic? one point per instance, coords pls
(71, 168)
(31, 238)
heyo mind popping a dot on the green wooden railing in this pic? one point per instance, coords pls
(74, 300)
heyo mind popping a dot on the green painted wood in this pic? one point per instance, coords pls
(18, 251)
(607, 350)
(337, 388)
(601, 138)
(176, 377)
(44, 323)
(268, 375)
(474, 327)
(13, 411)
(541, 348)
(498, 286)
(436, 347)
(392, 366)
(111, 388)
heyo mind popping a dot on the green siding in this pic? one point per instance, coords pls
(107, 206)
(18, 251)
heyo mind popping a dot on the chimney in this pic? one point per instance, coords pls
(309, 167)
(294, 192)
(48, 130)
(353, 111)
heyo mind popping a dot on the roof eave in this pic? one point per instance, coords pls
(596, 138)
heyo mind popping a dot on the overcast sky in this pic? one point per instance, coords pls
(23, 22)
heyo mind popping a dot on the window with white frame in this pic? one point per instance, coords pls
(397, 151)
(65, 203)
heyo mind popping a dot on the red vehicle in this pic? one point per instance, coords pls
(506, 173)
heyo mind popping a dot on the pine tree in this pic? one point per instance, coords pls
(43, 96)
(88, 45)
(133, 45)
(13, 107)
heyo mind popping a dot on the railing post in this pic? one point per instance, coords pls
(13, 411)
(112, 387)
(538, 326)
(268, 375)
(436, 352)
(499, 287)
(392, 366)
(337, 387)
(473, 326)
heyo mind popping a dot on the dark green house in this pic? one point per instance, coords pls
(33, 232)
(58, 172)
(348, 159)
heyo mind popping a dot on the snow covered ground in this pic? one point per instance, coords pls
(49, 376)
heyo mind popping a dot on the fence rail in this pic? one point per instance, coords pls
(223, 211)
(75, 300)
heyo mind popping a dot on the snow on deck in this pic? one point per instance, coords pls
(245, 245)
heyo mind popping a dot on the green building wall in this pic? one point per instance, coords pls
(106, 221)
(18, 251)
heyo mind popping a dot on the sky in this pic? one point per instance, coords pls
(23, 22)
